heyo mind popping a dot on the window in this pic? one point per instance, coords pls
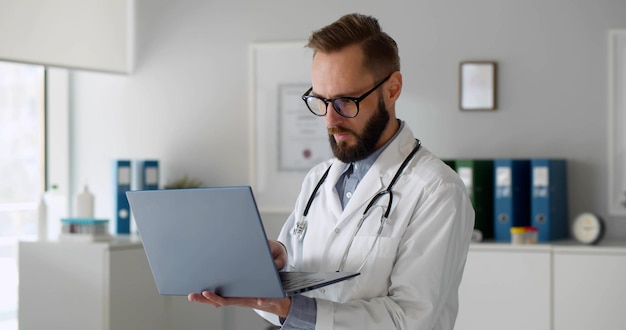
(22, 168)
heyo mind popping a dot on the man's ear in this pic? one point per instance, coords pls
(394, 86)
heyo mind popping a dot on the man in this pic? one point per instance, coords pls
(411, 264)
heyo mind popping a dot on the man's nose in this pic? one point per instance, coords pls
(332, 117)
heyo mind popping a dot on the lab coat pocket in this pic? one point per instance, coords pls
(377, 266)
(377, 254)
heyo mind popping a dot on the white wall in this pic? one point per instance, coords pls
(186, 103)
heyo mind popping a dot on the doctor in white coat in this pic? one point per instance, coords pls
(384, 206)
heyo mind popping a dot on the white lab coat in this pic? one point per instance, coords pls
(411, 278)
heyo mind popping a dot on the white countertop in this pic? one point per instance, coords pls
(114, 243)
(564, 246)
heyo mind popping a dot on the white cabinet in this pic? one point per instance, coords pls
(106, 286)
(589, 288)
(561, 286)
(109, 286)
(505, 287)
(101, 286)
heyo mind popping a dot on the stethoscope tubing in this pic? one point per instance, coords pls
(301, 226)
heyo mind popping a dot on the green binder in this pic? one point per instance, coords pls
(450, 162)
(477, 174)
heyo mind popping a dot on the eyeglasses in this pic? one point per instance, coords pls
(345, 106)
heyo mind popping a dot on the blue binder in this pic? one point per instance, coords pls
(121, 184)
(148, 174)
(512, 196)
(549, 199)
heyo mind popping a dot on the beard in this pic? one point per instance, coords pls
(365, 142)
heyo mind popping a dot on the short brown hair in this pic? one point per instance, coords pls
(380, 50)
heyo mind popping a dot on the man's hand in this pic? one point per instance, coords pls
(279, 253)
(278, 306)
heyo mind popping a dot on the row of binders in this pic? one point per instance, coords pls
(127, 175)
(510, 193)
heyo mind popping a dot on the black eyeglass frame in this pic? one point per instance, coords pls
(356, 100)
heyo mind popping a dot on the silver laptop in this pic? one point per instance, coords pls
(213, 239)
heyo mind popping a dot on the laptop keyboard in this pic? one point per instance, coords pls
(298, 280)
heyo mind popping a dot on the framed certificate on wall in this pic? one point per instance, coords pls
(286, 139)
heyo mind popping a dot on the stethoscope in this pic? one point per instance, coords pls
(301, 225)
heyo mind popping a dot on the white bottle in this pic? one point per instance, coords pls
(42, 219)
(56, 209)
(84, 204)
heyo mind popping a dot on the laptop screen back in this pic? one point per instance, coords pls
(205, 239)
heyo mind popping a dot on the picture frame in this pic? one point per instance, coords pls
(478, 81)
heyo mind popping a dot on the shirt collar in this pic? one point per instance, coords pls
(362, 166)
